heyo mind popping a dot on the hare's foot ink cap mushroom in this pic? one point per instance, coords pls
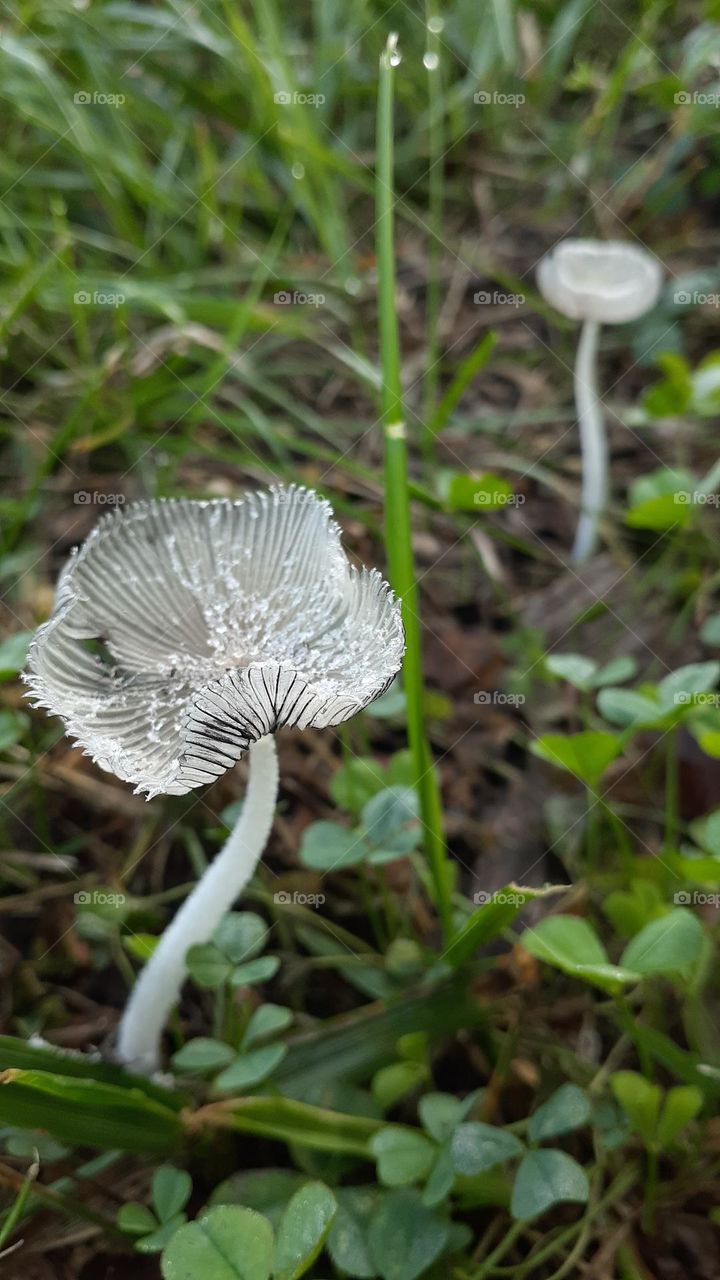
(186, 633)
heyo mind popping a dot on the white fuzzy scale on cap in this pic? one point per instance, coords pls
(184, 631)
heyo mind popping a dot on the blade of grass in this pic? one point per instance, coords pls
(18, 1206)
(291, 1122)
(19, 1054)
(351, 1048)
(505, 24)
(49, 1198)
(82, 1110)
(397, 497)
(491, 919)
(472, 364)
(436, 199)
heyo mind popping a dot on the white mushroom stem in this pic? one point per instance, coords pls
(158, 987)
(593, 443)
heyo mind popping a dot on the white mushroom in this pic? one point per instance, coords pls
(598, 282)
(185, 634)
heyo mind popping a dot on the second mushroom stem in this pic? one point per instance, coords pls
(158, 987)
(593, 443)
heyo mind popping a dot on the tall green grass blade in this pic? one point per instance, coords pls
(16, 1211)
(397, 498)
(352, 1048)
(19, 1055)
(504, 15)
(436, 198)
(86, 1113)
(292, 1122)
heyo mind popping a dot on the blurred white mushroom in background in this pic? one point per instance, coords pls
(598, 282)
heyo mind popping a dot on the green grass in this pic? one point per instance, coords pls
(182, 199)
(398, 520)
(230, 153)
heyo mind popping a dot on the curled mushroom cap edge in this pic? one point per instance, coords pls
(183, 631)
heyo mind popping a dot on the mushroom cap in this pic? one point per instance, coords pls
(183, 631)
(609, 281)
